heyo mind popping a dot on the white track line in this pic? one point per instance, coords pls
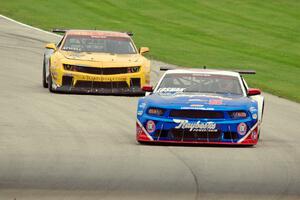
(28, 26)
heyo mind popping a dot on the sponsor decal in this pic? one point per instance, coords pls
(101, 78)
(139, 130)
(198, 100)
(196, 126)
(196, 105)
(77, 55)
(242, 128)
(215, 102)
(252, 109)
(254, 135)
(168, 94)
(195, 108)
(142, 105)
(150, 126)
(68, 74)
(98, 36)
(140, 112)
(203, 95)
(147, 77)
(72, 49)
(170, 90)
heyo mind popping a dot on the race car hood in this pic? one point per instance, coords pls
(102, 57)
(199, 101)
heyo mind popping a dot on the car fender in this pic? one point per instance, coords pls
(260, 104)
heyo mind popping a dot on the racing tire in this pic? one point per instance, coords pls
(262, 114)
(50, 83)
(45, 84)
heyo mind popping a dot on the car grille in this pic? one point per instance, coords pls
(206, 114)
(104, 85)
(68, 81)
(102, 71)
(186, 135)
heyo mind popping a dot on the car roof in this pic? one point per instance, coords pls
(98, 33)
(203, 71)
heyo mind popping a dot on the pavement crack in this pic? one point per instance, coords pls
(190, 170)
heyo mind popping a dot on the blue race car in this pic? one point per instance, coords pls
(200, 106)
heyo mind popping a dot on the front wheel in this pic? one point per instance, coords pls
(45, 84)
(50, 83)
(262, 114)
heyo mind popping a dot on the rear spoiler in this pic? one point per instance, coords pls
(244, 71)
(204, 67)
(129, 33)
(59, 30)
(166, 68)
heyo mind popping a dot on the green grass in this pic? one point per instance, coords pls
(245, 34)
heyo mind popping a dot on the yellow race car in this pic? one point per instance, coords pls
(91, 61)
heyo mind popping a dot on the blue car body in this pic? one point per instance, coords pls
(197, 118)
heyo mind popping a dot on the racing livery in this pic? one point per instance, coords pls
(200, 106)
(92, 61)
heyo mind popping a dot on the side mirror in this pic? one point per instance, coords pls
(253, 91)
(144, 50)
(51, 46)
(147, 88)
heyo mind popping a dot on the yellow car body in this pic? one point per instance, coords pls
(73, 69)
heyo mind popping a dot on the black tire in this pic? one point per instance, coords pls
(262, 114)
(50, 83)
(45, 84)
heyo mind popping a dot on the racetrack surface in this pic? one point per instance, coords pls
(57, 146)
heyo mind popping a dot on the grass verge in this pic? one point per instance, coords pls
(250, 34)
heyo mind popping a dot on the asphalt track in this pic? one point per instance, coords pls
(56, 146)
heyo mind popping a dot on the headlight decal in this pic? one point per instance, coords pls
(133, 69)
(238, 114)
(156, 111)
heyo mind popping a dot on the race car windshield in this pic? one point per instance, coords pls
(200, 83)
(100, 44)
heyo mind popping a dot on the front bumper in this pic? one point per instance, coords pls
(222, 137)
(99, 90)
(75, 82)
